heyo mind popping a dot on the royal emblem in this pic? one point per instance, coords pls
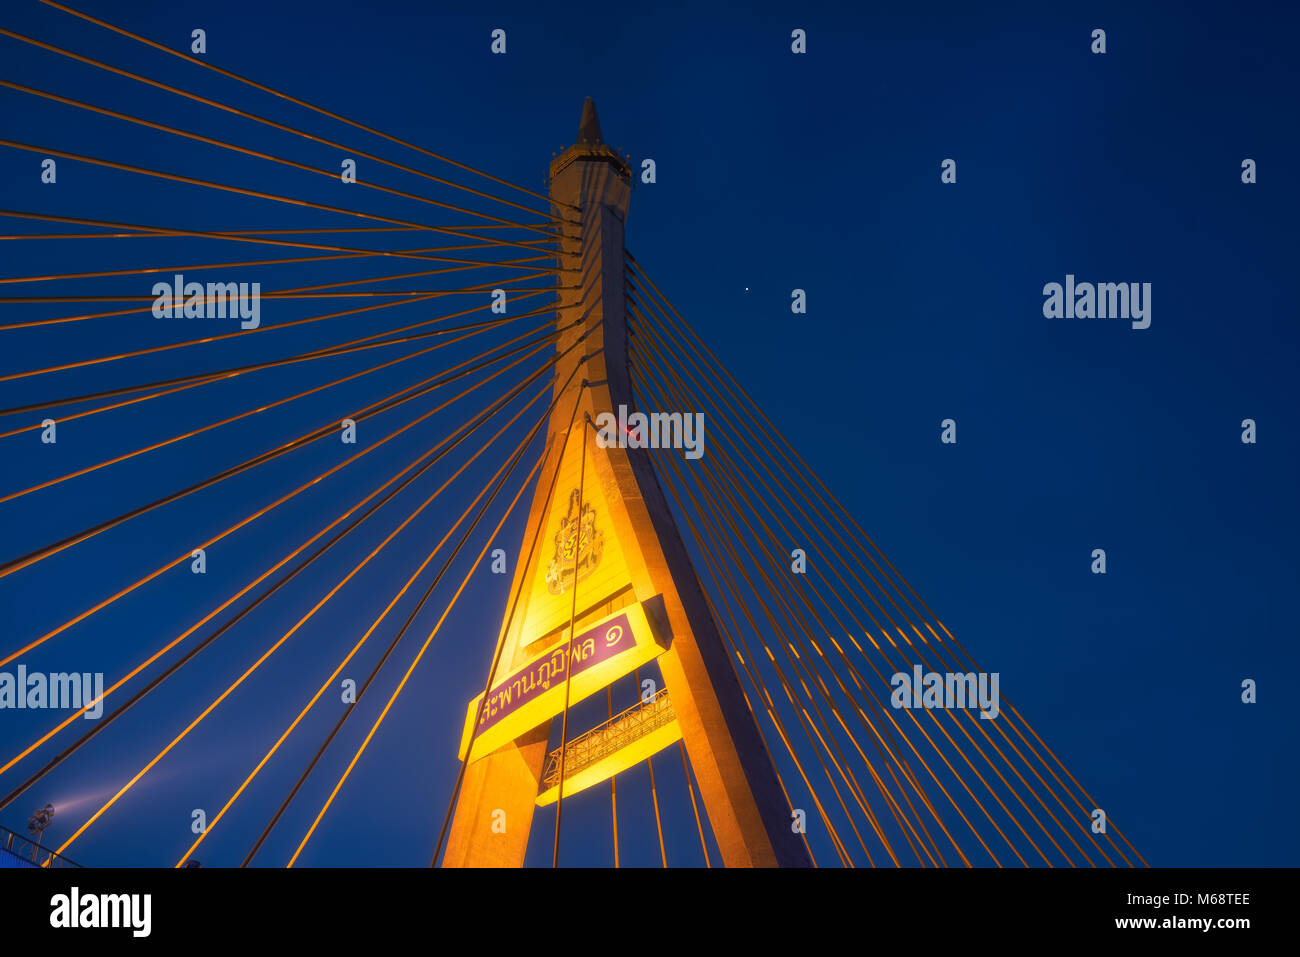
(578, 547)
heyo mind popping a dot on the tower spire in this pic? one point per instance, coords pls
(590, 145)
(589, 127)
(634, 597)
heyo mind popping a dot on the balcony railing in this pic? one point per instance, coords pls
(606, 739)
(25, 849)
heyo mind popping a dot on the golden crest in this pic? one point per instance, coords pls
(578, 547)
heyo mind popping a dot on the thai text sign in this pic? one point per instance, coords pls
(598, 655)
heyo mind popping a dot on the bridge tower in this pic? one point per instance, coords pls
(605, 530)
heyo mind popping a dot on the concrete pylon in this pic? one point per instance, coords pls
(639, 557)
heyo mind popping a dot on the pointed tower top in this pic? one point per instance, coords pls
(589, 127)
(590, 145)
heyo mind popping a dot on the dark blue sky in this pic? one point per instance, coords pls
(775, 172)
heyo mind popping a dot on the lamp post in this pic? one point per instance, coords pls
(37, 825)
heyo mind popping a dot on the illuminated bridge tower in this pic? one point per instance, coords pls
(602, 527)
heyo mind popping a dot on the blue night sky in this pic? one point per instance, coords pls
(774, 172)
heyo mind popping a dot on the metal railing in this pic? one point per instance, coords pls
(25, 849)
(614, 735)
